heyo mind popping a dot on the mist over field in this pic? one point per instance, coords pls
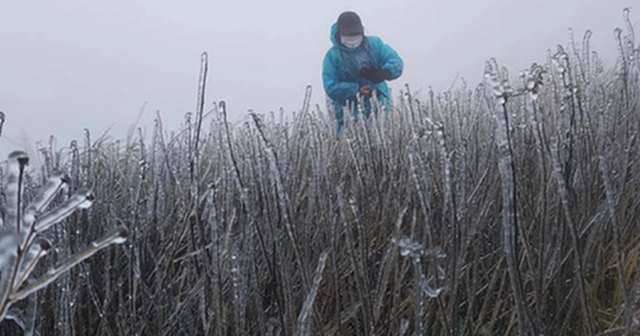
(499, 195)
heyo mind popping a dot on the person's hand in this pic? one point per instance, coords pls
(365, 91)
(379, 75)
(366, 72)
(375, 75)
(385, 74)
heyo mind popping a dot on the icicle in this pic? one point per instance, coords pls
(82, 199)
(55, 183)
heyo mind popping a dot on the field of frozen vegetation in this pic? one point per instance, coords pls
(510, 207)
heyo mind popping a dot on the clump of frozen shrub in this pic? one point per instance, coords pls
(22, 241)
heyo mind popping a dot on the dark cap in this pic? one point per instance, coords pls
(349, 24)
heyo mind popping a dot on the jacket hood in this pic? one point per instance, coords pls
(334, 32)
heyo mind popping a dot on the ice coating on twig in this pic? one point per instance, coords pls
(8, 256)
(202, 83)
(533, 80)
(283, 197)
(492, 76)
(631, 34)
(30, 318)
(17, 163)
(509, 186)
(409, 248)
(21, 321)
(30, 260)
(20, 246)
(54, 184)
(115, 236)
(415, 251)
(308, 302)
(8, 247)
(83, 198)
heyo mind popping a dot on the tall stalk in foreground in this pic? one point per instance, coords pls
(501, 91)
(21, 247)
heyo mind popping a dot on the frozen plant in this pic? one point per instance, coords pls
(21, 246)
(415, 251)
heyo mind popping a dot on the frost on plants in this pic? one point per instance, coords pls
(21, 244)
(433, 256)
(514, 205)
(423, 285)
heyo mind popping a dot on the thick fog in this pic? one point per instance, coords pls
(75, 64)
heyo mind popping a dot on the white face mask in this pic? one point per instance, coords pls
(351, 41)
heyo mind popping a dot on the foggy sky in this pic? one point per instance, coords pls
(71, 64)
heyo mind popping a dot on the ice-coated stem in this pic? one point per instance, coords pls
(56, 182)
(81, 199)
(116, 236)
(18, 160)
(311, 296)
(27, 266)
(8, 257)
(283, 198)
(506, 168)
(31, 313)
(577, 257)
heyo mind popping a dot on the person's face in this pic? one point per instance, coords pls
(351, 41)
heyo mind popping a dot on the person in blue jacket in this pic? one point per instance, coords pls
(357, 65)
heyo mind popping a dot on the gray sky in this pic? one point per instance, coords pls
(67, 65)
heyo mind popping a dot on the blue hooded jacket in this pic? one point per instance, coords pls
(342, 65)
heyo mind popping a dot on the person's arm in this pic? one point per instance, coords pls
(335, 89)
(389, 58)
